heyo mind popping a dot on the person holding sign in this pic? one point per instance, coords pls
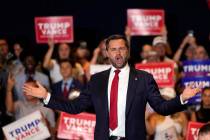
(63, 52)
(201, 53)
(203, 113)
(118, 95)
(30, 104)
(188, 44)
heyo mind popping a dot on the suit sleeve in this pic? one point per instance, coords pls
(160, 105)
(80, 104)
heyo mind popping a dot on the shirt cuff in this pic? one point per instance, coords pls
(181, 100)
(46, 101)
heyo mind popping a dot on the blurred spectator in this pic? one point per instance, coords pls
(162, 127)
(153, 57)
(82, 56)
(189, 42)
(4, 50)
(146, 53)
(200, 53)
(160, 45)
(164, 35)
(4, 53)
(203, 113)
(29, 73)
(69, 87)
(99, 54)
(128, 33)
(64, 52)
(69, 84)
(4, 118)
(204, 132)
(31, 104)
(190, 53)
(17, 48)
(99, 57)
(17, 66)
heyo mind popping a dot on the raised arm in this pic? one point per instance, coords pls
(187, 40)
(47, 64)
(9, 95)
(128, 34)
(96, 53)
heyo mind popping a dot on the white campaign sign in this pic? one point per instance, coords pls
(98, 68)
(30, 127)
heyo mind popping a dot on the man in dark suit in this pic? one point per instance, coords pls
(68, 86)
(118, 95)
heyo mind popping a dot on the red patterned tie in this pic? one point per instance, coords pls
(65, 90)
(113, 101)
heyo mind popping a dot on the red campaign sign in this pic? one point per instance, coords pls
(75, 127)
(193, 129)
(145, 22)
(162, 72)
(208, 3)
(60, 29)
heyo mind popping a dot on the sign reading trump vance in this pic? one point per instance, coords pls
(30, 127)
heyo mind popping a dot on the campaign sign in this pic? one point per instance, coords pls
(76, 127)
(162, 72)
(98, 68)
(30, 127)
(60, 29)
(196, 68)
(145, 22)
(197, 81)
(193, 129)
(208, 2)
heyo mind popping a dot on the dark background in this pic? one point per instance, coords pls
(96, 19)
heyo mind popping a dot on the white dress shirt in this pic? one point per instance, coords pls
(122, 95)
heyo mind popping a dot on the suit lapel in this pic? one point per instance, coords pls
(131, 89)
(60, 88)
(72, 85)
(105, 91)
(103, 110)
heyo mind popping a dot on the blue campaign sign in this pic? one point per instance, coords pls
(204, 81)
(195, 100)
(197, 68)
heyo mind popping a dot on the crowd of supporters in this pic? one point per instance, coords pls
(65, 69)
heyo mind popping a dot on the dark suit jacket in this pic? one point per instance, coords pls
(57, 87)
(142, 88)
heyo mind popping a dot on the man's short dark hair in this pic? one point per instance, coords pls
(70, 61)
(116, 37)
(205, 129)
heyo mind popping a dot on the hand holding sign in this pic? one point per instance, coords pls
(51, 42)
(190, 91)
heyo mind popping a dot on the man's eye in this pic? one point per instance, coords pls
(113, 49)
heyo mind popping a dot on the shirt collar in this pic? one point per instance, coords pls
(68, 81)
(122, 70)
